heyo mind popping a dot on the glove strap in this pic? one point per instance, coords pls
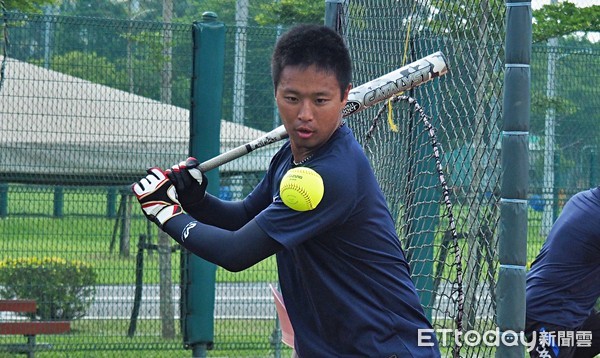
(166, 214)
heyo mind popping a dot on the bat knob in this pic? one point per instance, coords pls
(191, 163)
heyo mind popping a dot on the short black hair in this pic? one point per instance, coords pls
(307, 44)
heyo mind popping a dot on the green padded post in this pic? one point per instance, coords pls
(111, 202)
(59, 201)
(205, 124)
(593, 158)
(512, 239)
(3, 200)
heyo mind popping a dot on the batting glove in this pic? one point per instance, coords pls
(157, 197)
(189, 182)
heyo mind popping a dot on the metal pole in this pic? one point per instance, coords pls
(48, 29)
(549, 142)
(239, 70)
(3, 200)
(167, 54)
(333, 15)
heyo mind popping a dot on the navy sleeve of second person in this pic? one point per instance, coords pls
(233, 250)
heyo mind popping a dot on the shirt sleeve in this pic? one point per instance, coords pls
(233, 250)
(230, 215)
(290, 227)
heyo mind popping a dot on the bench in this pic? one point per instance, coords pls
(27, 328)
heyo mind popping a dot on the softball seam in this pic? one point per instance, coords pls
(302, 192)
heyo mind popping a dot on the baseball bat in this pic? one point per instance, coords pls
(364, 96)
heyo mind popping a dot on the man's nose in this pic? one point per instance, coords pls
(306, 111)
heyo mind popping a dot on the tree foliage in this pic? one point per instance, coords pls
(92, 8)
(556, 20)
(465, 19)
(31, 6)
(288, 12)
(64, 63)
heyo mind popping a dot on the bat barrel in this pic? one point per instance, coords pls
(402, 79)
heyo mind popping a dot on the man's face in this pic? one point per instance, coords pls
(310, 107)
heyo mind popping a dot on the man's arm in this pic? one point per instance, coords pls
(233, 250)
(230, 215)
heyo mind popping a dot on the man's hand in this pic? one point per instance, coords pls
(157, 197)
(189, 182)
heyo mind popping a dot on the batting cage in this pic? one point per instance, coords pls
(467, 159)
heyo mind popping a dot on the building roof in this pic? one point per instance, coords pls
(60, 126)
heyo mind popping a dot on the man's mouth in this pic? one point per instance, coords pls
(304, 133)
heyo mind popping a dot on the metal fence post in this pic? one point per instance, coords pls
(334, 15)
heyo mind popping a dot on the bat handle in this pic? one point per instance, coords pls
(223, 158)
(273, 136)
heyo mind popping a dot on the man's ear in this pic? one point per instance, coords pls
(346, 92)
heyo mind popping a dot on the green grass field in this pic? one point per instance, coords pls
(84, 232)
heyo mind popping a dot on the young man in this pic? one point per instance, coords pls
(563, 284)
(343, 275)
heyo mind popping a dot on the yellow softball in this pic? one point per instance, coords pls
(301, 189)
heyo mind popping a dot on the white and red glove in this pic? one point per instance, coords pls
(157, 196)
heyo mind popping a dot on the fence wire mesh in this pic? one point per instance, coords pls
(88, 104)
(464, 107)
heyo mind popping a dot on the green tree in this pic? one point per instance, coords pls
(468, 20)
(29, 6)
(288, 12)
(94, 8)
(64, 63)
(556, 20)
(189, 11)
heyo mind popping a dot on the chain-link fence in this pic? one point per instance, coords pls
(87, 104)
(565, 137)
(448, 267)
